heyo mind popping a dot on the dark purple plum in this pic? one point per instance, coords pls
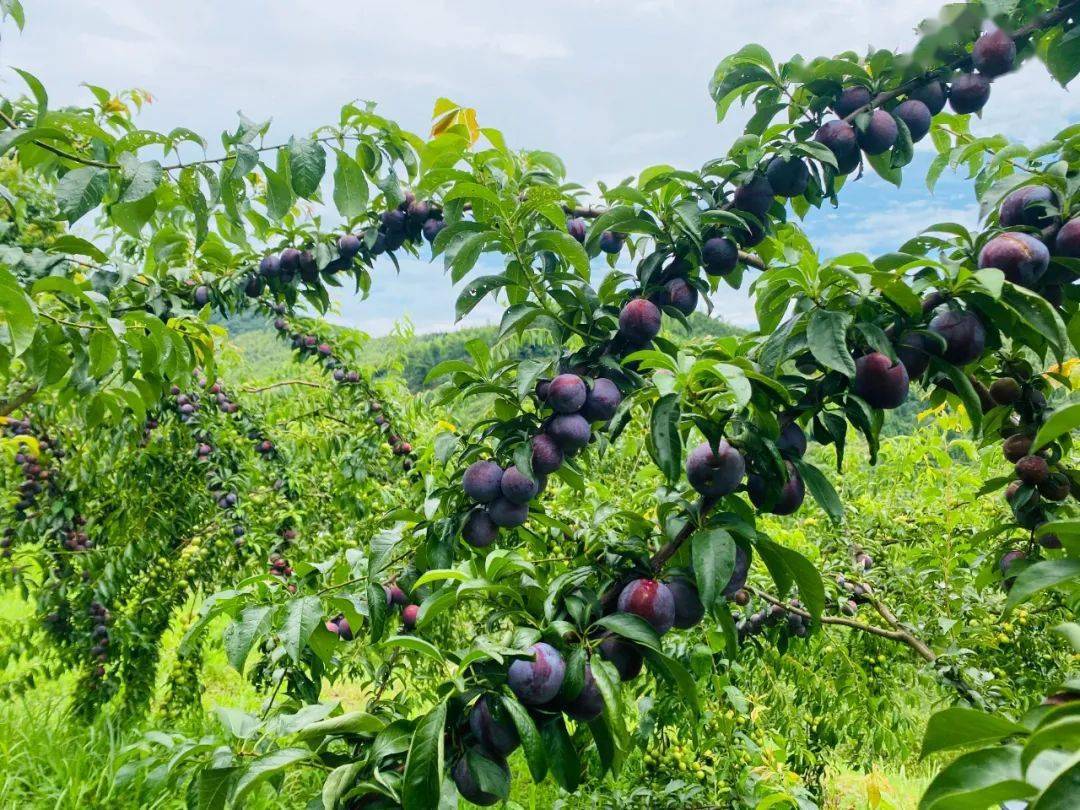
(969, 93)
(1067, 242)
(680, 294)
(393, 223)
(880, 133)
(840, 139)
(788, 500)
(879, 381)
(611, 242)
(851, 99)
(994, 53)
(309, 269)
(739, 573)
(688, 608)
(202, 296)
(254, 286)
(652, 601)
(431, 229)
(623, 655)
(792, 440)
(344, 631)
(589, 703)
(537, 680)
(547, 456)
(482, 481)
(914, 350)
(639, 321)
(394, 595)
(577, 229)
(1020, 256)
(492, 726)
(348, 245)
(754, 196)
(788, 177)
(467, 784)
(570, 431)
(566, 393)
(1032, 470)
(270, 266)
(715, 473)
(916, 117)
(719, 255)
(602, 401)
(290, 261)
(517, 487)
(1007, 561)
(932, 94)
(507, 514)
(1028, 206)
(964, 335)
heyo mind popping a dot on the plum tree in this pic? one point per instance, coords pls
(969, 93)
(880, 381)
(715, 473)
(994, 53)
(963, 333)
(1021, 257)
(537, 680)
(651, 600)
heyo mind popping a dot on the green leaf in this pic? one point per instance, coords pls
(565, 246)
(960, 727)
(964, 389)
(77, 246)
(475, 292)
(1038, 313)
(631, 627)
(666, 441)
(215, 784)
(265, 767)
(302, 616)
(140, 181)
(350, 186)
(356, 723)
(38, 89)
(1039, 577)
(1063, 734)
(713, 553)
(672, 671)
(1062, 792)
(16, 313)
(531, 743)
(416, 644)
(827, 338)
(241, 634)
(978, 780)
(338, 782)
(103, 353)
(1061, 421)
(80, 191)
(563, 760)
(422, 781)
(821, 489)
(807, 577)
(279, 194)
(307, 164)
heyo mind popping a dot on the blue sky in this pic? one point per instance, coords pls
(612, 86)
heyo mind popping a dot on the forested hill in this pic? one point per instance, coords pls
(416, 354)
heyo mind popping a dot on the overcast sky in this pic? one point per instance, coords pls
(612, 86)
